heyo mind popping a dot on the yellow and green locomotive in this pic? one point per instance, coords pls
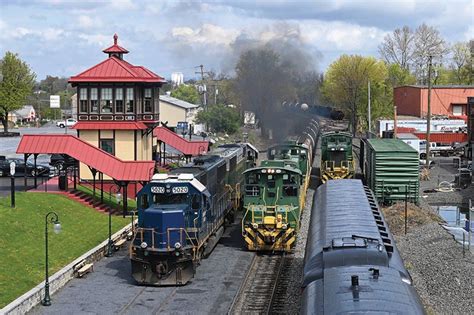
(336, 156)
(274, 197)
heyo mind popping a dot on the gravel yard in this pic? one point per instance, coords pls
(293, 291)
(441, 275)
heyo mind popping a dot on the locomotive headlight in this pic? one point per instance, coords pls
(143, 245)
(177, 245)
(341, 149)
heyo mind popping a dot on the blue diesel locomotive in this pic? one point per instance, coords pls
(181, 214)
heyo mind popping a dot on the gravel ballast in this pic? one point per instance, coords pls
(441, 275)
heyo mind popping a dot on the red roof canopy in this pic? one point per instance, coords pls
(88, 154)
(182, 145)
(115, 69)
(109, 125)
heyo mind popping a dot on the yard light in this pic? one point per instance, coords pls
(118, 197)
(51, 217)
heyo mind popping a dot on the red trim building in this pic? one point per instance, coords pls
(445, 100)
(117, 107)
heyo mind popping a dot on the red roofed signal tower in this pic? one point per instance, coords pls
(118, 106)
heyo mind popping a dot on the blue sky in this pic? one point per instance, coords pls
(65, 37)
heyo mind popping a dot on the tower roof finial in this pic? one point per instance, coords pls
(115, 38)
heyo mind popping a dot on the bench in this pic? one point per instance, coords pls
(119, 243)
(82, 268)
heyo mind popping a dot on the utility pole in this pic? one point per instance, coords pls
(368, 105)
(204, 92)
(428, 117)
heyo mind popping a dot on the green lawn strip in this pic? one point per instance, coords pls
(109, 199)
(22, 260)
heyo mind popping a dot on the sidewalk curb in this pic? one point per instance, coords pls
(30, 299)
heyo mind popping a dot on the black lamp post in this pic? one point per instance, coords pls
(51, 217)
(118, 197)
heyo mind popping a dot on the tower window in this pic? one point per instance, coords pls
(119, 100)
(94, 101)
(147, 101)
(107, 145)
(106, 100)
(130, 101)
(83, 100)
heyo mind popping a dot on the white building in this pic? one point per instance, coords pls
(173, 110)
(25, 114)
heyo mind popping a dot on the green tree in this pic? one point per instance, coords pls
(17, 84)
(186, 93)
(398, 76)
(220, 118)
(345, 85)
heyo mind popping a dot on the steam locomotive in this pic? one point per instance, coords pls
(181, 214)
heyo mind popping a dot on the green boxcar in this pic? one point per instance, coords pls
(391, 170)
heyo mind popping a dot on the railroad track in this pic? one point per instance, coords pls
(258, 291)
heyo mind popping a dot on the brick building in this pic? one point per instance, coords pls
(445, 100)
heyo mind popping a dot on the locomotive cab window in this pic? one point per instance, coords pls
(196, 202)
(169, 199)
(290, 191)
(144, 201)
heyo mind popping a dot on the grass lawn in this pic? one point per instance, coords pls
(22, 260)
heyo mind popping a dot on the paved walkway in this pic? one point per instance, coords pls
(110, 289)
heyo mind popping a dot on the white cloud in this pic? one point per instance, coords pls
(85, 21)
(331, 36)
(123, 4)
(47, 34)
(206, 34)
(96, 39)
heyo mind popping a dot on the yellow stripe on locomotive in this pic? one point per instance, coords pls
(274, 197)
(336, 156)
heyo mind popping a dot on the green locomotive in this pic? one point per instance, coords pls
(274, 197)
(336, 156)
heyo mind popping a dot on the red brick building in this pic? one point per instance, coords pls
(445, 100)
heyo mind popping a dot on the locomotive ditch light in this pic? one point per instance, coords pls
(177, 245)
(143, 245)
(254, 226)
(284, 226)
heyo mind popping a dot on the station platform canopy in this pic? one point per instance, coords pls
(190, 148)
(95, 158)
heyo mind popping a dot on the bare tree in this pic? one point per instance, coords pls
(460, 62)
(428, 42)
(398, 48)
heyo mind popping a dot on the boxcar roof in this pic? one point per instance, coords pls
(390, 145)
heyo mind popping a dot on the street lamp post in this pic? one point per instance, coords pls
(51, 217)
(118, 197)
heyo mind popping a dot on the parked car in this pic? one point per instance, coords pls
(41, 170)
(62, 161)
(66, 123)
